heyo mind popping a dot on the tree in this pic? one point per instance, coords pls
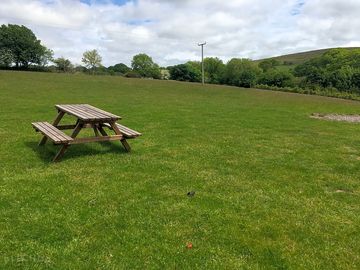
(241, 72)
(267, 64)
(48, 56)
(22, 43)
(119, 68)
(196, 65)
(335, 68)
(92, 59)
(6, 57)
(185, 72)
(275, 77)
(63, 64)
(144, 65)
(214, 69)
(356, 79)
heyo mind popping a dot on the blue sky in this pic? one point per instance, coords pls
(297, 7)
(169, 30)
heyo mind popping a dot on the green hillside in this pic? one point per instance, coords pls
(299, 58)
(274, 188)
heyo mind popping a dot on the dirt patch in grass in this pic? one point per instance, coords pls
(351, 118)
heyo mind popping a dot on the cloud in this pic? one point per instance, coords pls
(169, 30)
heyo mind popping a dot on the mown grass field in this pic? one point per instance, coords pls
(275, 189)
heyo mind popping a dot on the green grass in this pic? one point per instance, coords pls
(266, 178)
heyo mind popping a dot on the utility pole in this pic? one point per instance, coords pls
(202, 61)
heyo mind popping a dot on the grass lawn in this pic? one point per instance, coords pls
(275, 189)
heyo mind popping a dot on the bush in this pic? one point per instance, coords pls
(337, 68)
(241, 72)
(144, 65)
(315, 90)
(185, 72)
(118, 69)
(132, 74)
(275, 77)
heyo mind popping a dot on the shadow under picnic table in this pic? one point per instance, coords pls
(48, 151)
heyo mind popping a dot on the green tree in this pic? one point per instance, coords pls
(342, 78)
(63, 64)
(241, 72)
(267, 64)
(185, 72)
(92, 60)
(335, 68)
(196, 65)
(356, 79)
(6, 57)
(25, 48)
(119, 68)
(145, 66)
(214, 69)
(48, 56)
(275, 77)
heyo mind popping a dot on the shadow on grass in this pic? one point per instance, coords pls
(48, 151)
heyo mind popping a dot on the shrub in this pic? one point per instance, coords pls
(185, 72)
(132, 74)
(241, 72)
(275, 77)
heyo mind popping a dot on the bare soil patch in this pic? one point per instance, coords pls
(351, 118)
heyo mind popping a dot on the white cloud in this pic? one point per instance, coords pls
(170, 30)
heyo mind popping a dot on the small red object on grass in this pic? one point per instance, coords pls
(189, 245)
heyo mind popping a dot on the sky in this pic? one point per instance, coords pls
(170, 30)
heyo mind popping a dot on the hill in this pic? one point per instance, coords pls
(274, 188)
(299, 58)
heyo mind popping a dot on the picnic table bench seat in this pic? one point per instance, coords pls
(127, 132)
(54, 134)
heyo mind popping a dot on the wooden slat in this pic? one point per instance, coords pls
(96, 139)
(44, 130)
(129, 133)
(94, 112)
(73, 112)
(87, 112)
(52, 132)
(55, 123)
(64, 127)
(113, 116)
(63, 137)
(88, 116)
(59, 134)
(48, 130)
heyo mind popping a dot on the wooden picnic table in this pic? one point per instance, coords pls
(87, 117)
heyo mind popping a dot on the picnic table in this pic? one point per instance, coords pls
(87, 116)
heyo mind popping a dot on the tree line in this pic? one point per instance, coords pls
(336, 71)
(21, 50)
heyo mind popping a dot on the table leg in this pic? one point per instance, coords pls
(55, 123)
(95, 128)
(63, 148)
(123, 140)
(102, 131)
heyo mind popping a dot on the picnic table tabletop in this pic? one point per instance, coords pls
(88, 113)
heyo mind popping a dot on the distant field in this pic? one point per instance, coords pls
(299, 58)
(275, 189)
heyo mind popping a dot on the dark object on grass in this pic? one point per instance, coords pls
(191, 193)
